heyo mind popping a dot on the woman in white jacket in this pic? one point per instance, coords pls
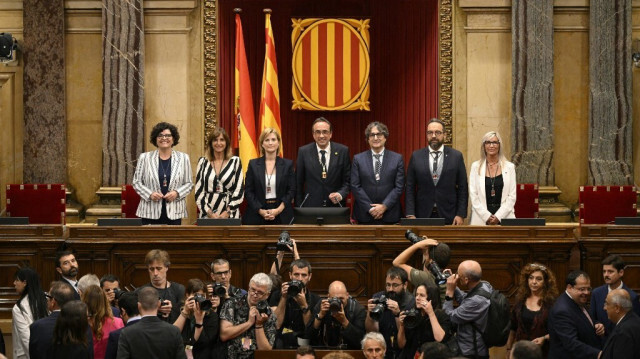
(492, 183)
(31, 306)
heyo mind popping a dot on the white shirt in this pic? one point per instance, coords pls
(270, 181)
(327, 155)
(619, 287)
(440, 157)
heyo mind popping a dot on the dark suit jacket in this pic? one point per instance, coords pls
(151, 338)
(309, 175)
(112, 343)
(571, 335)
(254, 191)
(366, 190)
(450, 195)
(624, 340)
(41, 335)
(597, 307)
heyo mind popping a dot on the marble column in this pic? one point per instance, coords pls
(45, 130)
(532, 85)
(610, 76)
(123, 89)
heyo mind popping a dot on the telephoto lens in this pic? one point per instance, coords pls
(412, 237)
(381, 305)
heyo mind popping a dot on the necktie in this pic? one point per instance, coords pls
(378, 165)
(435, 156)
(587, 314)
(323, 159)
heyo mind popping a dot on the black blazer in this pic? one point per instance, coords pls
(598, 313)
(151, 338)
(366, 190)
(450, 195)
(41, 336)
(254, 190)
(624, 340)
(309, 175)
(571, 334)
(112, 342)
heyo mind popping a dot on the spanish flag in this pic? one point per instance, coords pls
(270, 94)
(245, 129)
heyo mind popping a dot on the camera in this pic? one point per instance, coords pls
(164, 302)
(412, 237)
(117, 292)
(413, 318)
(335, 305)
(284, 242)
(219, 290)
(381, 305)
(295, 287)
(263, 307)
(440, 276)
(205, 304)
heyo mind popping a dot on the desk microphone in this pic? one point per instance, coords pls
(300, 206)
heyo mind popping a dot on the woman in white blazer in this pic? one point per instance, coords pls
(31, 306)
(492, 183)
(163, 179)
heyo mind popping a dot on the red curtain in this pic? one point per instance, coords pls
(403, 78)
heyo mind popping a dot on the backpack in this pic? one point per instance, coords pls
(498, 321)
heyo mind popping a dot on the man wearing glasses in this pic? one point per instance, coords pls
(377, 179)
(437, 180)
(246, 323)
(323, 169)
(572, 331)
(221, 274)
(396, 299)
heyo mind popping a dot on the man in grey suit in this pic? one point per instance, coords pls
(150, 337)
(437, 180)
(322, 169)
(377, 179)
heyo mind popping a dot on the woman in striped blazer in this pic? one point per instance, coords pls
(219, 179)
(163, 179)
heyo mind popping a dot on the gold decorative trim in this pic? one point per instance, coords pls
(445, 66)
(210, 34)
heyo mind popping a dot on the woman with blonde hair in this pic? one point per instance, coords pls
(270, 185)
(492, 183)
(219, 190)
(101, 318)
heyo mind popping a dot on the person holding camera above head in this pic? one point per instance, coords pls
(198, 320)
(385, 306)
(222, 287)
(338, 320)
(293, 302)
(270, 185)
(247, 323)
(427, 322)
(435, 257)
(171, 293)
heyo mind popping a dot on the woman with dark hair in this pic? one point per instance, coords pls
(536, 294)
(219, 187)
(270, 185)
(31, 306)
(101, 318)
(163, 179)
(70, 333)
(199, 326)
(431, 324)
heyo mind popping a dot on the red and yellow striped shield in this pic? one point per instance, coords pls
(330, 64)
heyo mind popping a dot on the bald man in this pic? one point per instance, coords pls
(338, 321)
(473, 309)
(624, 340)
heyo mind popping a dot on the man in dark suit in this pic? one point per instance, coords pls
(323, 169)
(67, 267)
(612, 272)
(572, 333)
(377, 179)
(128, 303)
(624, 340)
(41, 331)
(150, 337)
(437, 180)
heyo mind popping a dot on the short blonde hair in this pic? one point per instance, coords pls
(266, 132)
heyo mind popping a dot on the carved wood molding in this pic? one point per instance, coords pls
(210, 43)
(445, 66)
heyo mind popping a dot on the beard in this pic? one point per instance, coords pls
(71, 273)
(435, 144)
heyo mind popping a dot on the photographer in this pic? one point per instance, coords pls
(432, 252)
(198, 320)
(246, 323)
(385, 306)
(171, 293)
(293, 310)
(110, 284)
(338, 320)
(221, 276)
(426, 323)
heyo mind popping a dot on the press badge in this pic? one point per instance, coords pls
(286, 331)
(246, 343)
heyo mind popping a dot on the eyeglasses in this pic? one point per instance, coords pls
(255, 292)
(436, 133)
(225, 273)
(377, 134)
(492, 143)
(323, 132)
(165, 135)
(393, 285)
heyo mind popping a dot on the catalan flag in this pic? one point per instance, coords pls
(270, 94)
(245, 130)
